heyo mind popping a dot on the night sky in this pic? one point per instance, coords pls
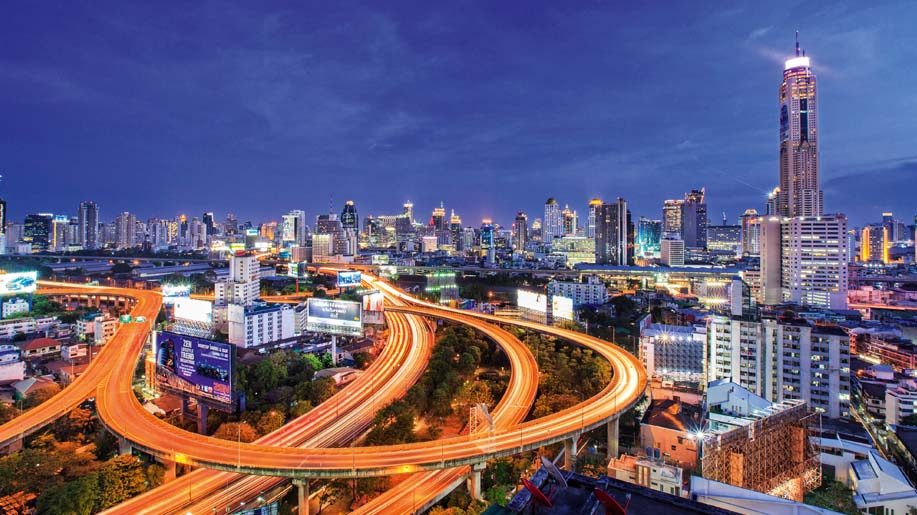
(490, 107)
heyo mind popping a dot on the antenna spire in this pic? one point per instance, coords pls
(797, 43)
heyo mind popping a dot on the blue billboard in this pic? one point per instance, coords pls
(195, 365)
(348, 279)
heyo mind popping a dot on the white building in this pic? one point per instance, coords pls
(900, 401)
(14, 307)
(672, 252)
(12, 368)
(243, 286)
(26, 325)
(880, 487)
(260, 324)
(674, 353)
(783, 359)
(591, 292)
(322, 247)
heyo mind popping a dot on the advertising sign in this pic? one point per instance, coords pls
(19, 282)
(531, 300)
(348, 279)
(334, 317)
(562, 308)
(194, 310)
(196, 365)
(380, 259)
(374, 308)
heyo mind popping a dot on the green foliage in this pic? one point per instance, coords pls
(322, 390)
(363, 359)
(832, 495)
(567, 368)
(121, 478)
(394, 424)
(77, 497)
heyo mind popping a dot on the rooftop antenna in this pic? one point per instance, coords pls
(797, 43)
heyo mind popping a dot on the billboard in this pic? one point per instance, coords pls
(561, 308)
(334, 317)
(194, 310)
(531, 300)
(373, 307)
(19, 282)
(195, 365)
(348, 279)
(380, 259)
(172, 292)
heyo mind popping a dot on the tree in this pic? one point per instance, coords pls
(313, 361)
(121, 268)
(39, 396)
(236, 431)
(300, 408)
(270, 422)
(121, 478)
(7, 412)
(322, 389)
(77, 497)
(392, 425)
(75, 426)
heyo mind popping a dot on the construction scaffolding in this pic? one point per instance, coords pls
(773, 455)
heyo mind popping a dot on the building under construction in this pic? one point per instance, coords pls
(771, 454)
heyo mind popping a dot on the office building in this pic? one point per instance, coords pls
(724, 239)
(294, 231)
(88, 219)
(750, 233)
(800, 193)
(322, 247)
(455, 232)
(594, 206)
(614, 234)
(671, 218)
(694, 219)
(874, 244)
(674, 353)
(672, 252)
(814, 261)
(488, 242)
(782, 359)
(569, 221)
(649, 236)
(553, 223)
(260, 324)
(243, 286)
(125, 231)
(37, 231)
(520, 231)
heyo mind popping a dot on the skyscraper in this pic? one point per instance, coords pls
(694, 219)
(594, 204)
(553, 224)
(569, 221)
(37, 231)
(438, 219)
(125, 230)
(800, 194)
(488, 248)
(294, 230)
(88, 219)
(750, 232)
(649, 236)
(520, 231)
(349, 217)
(671, 218)
(409, 211)
(210, 222)
(614, 234)
(455, 231)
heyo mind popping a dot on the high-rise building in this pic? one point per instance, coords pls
(210, 222)
(455, 231)
(294, 230)
(725, 239)
(614, 234)
(804, 261)
(671, 218)
(438, 219)
(594, 205)
(569, 221)
(874, 244)
(520, 231)
(488, 243)
(750, 233)
(800, 193)
(349, 218)
(125, 230)
(694, 219)
(672, 252)
(60, 229)
(553, 223)
(243, 286)
(409, 211)
(2, 216)
(649, 236)
(88, 219)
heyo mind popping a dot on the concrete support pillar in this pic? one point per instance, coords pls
(613, 435)
(474, 481)
(570, 453)
(124, 446)
(202, 418)
(302, 496)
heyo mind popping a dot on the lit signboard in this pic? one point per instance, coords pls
(561, 308)
(195, 365)
(20, 282)
(334, 317)
(348, 279)
(194, 310)
(380, 259)
(176, 290)
(534, 301)
(374, 308)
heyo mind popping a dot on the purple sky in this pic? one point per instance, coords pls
(491, 107)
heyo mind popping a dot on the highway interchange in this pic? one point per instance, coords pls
(300, 449)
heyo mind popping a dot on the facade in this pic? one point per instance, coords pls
(649, 236)
(782, 360)
(14, 307)
(125, 231)
(293, 230)
(671, 218)
(725, 239)
(800, 193)
(243, 286)
(814, 261)
(674, 353)
(37, 231)
(593, 208)
(874, 244)
(750, 233)
(590, 292)
(614, 234)
(520, 231)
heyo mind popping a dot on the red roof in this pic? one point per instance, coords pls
(39, 343)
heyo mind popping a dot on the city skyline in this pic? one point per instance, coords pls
(583, 143)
